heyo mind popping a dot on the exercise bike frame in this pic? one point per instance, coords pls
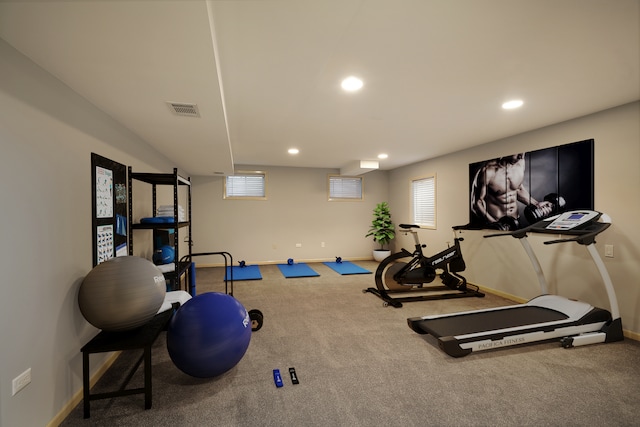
(420, 270)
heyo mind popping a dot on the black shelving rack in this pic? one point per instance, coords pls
(177, 181)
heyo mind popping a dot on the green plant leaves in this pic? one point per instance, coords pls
(382, 228)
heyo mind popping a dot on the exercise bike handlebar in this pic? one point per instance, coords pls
(413, 229)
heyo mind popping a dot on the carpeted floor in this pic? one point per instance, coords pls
(359, 364)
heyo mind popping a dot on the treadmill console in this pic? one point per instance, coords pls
(583, 225)
(569, 220)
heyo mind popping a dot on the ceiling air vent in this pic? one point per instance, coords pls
(184, 109)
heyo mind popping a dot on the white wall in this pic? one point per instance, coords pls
(500, 263)
(47, 134)
(296, 211)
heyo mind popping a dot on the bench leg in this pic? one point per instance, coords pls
(147, 377)
(85, 384)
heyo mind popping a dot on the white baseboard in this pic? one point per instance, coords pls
(306, 261)
(77, 397)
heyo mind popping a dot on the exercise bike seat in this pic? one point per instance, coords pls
(408, 226)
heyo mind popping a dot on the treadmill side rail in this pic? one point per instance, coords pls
(583, 339)
(528, 337)
(610, 332)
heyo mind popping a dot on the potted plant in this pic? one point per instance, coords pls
(382, 230)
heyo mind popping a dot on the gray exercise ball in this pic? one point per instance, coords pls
(122, 293)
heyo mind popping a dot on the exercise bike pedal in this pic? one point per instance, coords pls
(451, 282)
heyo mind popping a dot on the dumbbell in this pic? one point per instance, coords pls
(506, 223)
(535, 214)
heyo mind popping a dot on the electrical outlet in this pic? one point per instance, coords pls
(20, 382)
(608, 251)
(322, 244)
(298, 245)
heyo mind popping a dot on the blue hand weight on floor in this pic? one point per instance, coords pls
(277, 378)
(290, 261)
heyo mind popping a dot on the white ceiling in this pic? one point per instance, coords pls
(265, 74)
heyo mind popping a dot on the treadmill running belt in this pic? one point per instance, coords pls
(471, 323)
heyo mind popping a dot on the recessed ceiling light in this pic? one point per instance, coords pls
(383, 156)
(510, 105)
(293, 151)
(351, 84)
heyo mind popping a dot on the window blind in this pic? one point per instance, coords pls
(252, 185)
(424, 201)
(341, 187)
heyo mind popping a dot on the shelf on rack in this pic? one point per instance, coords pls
(164, 225)
(164, 179)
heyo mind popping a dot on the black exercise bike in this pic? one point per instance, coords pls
(407, 273)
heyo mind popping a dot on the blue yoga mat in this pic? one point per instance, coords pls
(248, 272)
(346, 267)
(297, 270)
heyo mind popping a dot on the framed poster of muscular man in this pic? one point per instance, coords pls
(511, 192)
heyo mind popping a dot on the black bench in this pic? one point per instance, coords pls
(139, 338)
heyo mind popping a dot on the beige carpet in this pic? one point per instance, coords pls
(359, 364)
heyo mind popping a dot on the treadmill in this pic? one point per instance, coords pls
(542, 318)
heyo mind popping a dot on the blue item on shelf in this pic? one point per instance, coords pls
(164, 255)
(157, 220)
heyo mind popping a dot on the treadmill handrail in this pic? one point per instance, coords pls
(608, 284)
(542, 280)
(585, 237)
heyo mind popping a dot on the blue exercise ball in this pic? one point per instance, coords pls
(164, 255)
(208, 335)
(122, 293)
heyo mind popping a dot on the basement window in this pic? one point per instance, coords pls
(423, 201)
(246, 186)
(345, 187)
